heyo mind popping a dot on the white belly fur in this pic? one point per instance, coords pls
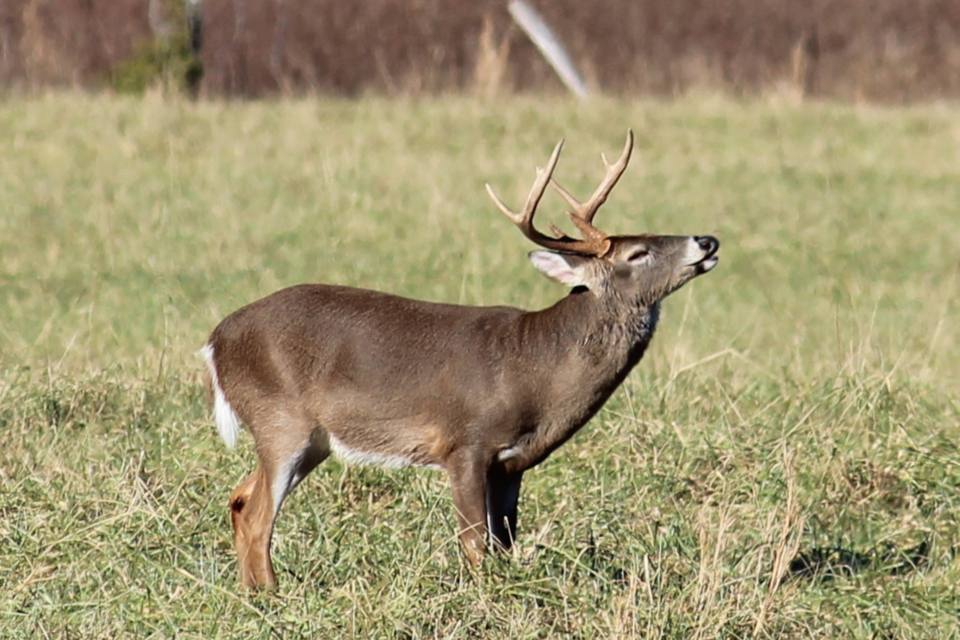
(356, 456)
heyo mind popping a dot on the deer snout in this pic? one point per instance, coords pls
(700, 254)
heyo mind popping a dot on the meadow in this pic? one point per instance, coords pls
(798, 402)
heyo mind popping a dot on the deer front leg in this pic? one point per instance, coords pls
(468, 472)
(503, 494)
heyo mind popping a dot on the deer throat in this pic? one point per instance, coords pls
(620, 337)
(607, 355)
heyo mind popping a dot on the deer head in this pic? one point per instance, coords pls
(641, 268)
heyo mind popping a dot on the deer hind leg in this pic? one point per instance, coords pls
(254, 504)
(468, 481)
(503, 494)
(251, 511)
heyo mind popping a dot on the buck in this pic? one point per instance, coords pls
(483, 393)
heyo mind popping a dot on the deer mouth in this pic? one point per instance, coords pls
(707, 264)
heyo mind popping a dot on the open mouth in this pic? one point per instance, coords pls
(706, 264)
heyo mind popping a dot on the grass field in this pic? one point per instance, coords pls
(801, 397)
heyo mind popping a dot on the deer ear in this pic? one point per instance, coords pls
(564, 268)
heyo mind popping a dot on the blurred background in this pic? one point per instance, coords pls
(889, 51)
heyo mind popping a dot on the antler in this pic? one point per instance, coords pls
(595, 242)
(583, 212)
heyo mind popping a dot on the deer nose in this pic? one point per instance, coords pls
(709, 244)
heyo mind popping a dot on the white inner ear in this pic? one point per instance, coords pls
(555, 266)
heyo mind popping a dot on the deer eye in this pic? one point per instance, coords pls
(638, 254)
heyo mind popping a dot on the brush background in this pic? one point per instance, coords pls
(890, 51)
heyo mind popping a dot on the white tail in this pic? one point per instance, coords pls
(228, 424)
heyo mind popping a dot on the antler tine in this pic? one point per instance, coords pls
(583, 212)
(524, 219)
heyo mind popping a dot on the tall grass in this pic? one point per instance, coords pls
(801, 396)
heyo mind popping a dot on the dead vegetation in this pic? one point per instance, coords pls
(892, 50)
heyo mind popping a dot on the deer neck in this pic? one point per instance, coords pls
(607, 332)
(589, 344)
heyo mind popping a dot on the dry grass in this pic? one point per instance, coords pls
(801, 396)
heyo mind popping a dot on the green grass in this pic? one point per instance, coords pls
(802, 395)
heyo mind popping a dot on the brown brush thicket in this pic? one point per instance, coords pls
(866, 49)
(889, 50)
(47, 43)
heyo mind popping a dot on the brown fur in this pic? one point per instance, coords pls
(484, 393)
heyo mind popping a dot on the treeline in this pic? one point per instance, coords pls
(881, 50)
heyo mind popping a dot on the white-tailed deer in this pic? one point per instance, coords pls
(483, 393)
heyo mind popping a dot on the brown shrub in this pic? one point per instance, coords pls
(869, 49)
(252, 47)
(891, 50)
(55, 42)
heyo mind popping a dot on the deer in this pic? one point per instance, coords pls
(481, 393)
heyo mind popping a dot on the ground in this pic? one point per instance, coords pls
(799, 402)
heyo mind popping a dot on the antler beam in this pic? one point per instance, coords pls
(595, 242)
(583, 212)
